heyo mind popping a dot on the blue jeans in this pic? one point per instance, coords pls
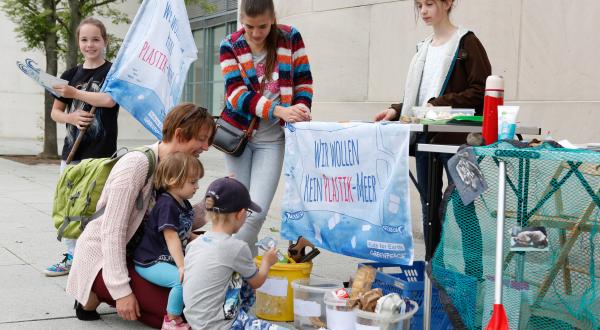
(166, 275)
(258, 168)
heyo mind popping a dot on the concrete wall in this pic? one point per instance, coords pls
(546, 50)
(360, 51)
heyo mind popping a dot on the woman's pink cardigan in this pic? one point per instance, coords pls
(102, 245)
(103, 242)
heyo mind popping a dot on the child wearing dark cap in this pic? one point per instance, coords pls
(220, 274)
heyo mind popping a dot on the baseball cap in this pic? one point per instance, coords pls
(229, 195)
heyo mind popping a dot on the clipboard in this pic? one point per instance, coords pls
(30, 68)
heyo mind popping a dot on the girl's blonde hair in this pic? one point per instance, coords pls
(437, 2)
(175, 169)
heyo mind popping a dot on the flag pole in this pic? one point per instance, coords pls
(80, 135)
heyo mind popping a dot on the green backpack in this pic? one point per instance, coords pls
(79, 188)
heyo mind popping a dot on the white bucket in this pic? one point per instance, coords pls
(373, 321)
(339, 315)
(309, 307)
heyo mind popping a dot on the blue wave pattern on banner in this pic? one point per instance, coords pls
(142, 103)
(347, 189)
(151, 67)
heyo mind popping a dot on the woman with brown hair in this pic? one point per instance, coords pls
(267, 82)
(101, 271)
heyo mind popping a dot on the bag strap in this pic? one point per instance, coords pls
(251, 127)
(254, 118)
(139, 201)
(63, 227)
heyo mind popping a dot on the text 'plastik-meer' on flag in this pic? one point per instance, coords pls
(155, 57)
(339, 188)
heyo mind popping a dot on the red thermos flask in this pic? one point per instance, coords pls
(494, 96)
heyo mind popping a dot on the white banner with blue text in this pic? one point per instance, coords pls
(347, 189)
(148, 75)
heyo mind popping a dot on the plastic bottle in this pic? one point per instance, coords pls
(494, 96)
(266, 243)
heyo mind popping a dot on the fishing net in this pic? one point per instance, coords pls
(551, 266)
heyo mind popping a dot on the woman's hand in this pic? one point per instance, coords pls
(66, 91)
(128, 308)
(293, 114)
(387, 114)
(80, 118)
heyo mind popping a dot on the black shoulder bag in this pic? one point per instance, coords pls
(230, 139)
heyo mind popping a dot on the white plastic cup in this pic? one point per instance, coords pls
(308, 301)
(340, 316)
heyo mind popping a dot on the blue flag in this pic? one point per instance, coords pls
(347, 189)
(148, 75)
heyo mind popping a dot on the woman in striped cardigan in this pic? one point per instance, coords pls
(267, 77)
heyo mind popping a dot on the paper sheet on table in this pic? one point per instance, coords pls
(30, 68)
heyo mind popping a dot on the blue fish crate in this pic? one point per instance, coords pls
(408, 281)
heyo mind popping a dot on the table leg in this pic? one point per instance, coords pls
(433, 228)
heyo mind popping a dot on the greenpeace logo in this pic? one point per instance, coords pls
(387, 255)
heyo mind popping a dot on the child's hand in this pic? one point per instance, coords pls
(270, 257)
(65, 91)
(80, 119)
(180, 269)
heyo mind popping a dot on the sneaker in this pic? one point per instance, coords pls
(60, 268)
(176, 324)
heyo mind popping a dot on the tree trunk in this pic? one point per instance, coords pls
(73, 43)
(50, 45)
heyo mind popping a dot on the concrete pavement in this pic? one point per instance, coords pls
(28, 244)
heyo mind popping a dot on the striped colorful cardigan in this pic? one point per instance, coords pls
(241, 81)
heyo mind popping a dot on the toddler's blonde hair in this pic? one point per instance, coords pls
(175, 169)
(217, 217)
